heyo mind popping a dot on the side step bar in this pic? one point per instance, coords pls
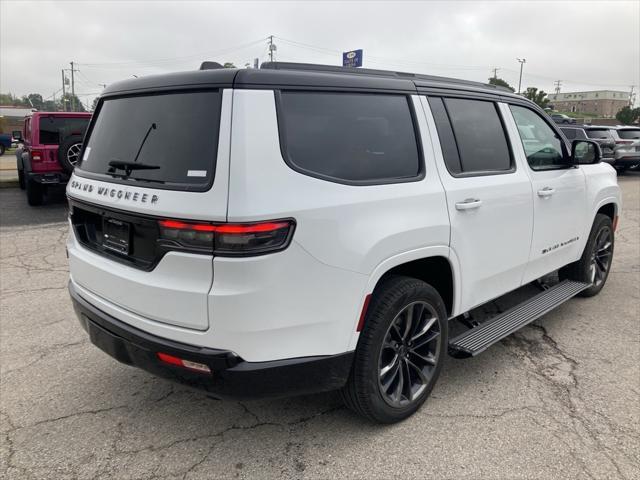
(478, 339)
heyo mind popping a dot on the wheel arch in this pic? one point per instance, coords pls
(437, 266)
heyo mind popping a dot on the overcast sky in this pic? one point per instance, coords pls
(588, 45)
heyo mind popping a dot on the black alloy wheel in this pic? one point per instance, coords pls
(409, 354)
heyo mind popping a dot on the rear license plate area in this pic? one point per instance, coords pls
(116, 235)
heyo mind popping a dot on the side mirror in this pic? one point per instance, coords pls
(585, 152)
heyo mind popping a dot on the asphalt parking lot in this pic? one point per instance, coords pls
(560, 399)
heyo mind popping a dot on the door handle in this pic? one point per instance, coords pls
(546, 192)
(469, 204)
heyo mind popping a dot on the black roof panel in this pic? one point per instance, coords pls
(305, 76)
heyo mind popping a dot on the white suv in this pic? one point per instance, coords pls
(303, 228)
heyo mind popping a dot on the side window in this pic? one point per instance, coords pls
(570, 133)
(472, 136)
(445, 132)
(349, 137)
(541, 145)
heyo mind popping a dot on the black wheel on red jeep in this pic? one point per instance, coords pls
(400, 351)
(69, 152)
(21, 182)
(35, 193)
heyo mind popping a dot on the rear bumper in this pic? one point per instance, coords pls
(231, 376)
(49, 178)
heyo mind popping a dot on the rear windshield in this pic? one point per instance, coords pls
(165, 140)
(54, 130)
(629, 134)
(600, 134)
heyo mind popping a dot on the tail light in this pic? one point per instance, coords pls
(37, 156)
(229, 239)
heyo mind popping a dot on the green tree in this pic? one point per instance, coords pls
(537, 96)
(33, 100)
(71, 103)
(501, 83)
(229, 65)
(11, 100)
(628, 115)
(50, 106)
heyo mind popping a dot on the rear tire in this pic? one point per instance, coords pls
(595, 263)
(35, 193)
(400, 351)
(1, 150)
(21, 182)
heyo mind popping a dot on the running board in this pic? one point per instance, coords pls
(478, 339)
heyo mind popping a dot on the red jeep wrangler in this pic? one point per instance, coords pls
(51, 146)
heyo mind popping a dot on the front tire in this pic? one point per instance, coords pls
(595, 263)
(400, 351)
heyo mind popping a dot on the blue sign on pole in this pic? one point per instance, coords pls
(352, 58)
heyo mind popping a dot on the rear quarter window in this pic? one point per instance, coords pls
(353, 138)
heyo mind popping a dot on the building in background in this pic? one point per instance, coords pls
(13, 117)
(602, 103)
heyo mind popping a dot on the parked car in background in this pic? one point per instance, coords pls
(602, 135)
(627, 151)
(562, 118)
(51, 147)
(5, 142)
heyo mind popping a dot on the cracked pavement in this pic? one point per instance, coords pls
(559, 399)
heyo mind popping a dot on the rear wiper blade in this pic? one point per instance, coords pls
(129, 166)
(135, 179)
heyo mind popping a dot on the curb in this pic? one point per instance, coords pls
(9, 183)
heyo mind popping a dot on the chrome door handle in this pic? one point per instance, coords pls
(469, 204)
(546, 192)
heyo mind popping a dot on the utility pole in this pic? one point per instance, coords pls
(558, 84)
(522, 62)
(495, 72)
(64, 108)
(272, 48)
(632, 97)
(73, 89)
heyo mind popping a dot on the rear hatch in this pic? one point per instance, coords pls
(150, 159)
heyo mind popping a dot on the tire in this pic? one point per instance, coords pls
(69, 152)
(21, 181)
(2, 148)
(374, 389)
(595, 264)
(35, 193)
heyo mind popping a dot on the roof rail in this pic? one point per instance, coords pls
(368, 71)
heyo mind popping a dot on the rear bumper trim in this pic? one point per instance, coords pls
(231, 377)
